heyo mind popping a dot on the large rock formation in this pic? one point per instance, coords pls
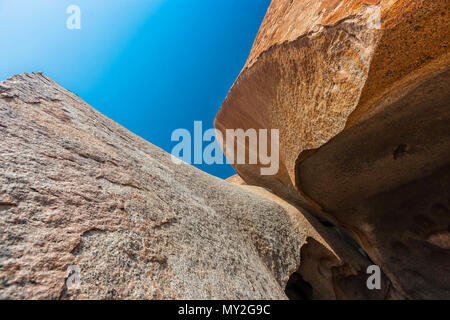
(77, 189)
(359, 90)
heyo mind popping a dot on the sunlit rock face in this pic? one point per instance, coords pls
(77, 189)
(360, 93)
(81, 195)
(236, 179)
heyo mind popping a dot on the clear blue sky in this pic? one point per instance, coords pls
(151, 65)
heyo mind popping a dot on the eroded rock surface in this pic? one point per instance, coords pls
(332, 266)
(78, 189)
(236, 179)
(360, 93)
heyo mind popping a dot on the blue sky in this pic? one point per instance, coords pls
(151, 65)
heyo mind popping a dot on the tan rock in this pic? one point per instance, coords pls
(236, 179)
(77, 189)
(331, 266)
(79, 193)
(363, 113)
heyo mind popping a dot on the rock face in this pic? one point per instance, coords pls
(236, 179)
(77, 189)
(331, 266)
(360, 93)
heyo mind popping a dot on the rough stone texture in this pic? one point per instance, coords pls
(363, 114)
(236, 179)
(78, 189)
(332, 266)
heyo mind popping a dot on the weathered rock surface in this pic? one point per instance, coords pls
(359, 90)
(236, 179)
(77, 189)
(331, 266)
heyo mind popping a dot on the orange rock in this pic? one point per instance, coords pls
(359, 91)
(331, 267)
(236, 179)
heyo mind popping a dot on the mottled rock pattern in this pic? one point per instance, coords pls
(360, 93)
(76, 188)
(236, 179)
(332, 266)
